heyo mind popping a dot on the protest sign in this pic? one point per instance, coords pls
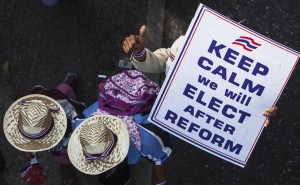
(223, 77)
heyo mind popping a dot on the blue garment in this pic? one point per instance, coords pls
(141, 118)
(152, 147)
(86, 113)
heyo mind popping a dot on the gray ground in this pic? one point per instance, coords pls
(42, 43)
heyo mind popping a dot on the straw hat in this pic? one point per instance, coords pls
(34, 123)
(98, 144)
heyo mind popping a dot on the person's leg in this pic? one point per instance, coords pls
(68, 85)
(2, 162)
(119, 176)
(160, 174)
(67, 174)
(66, 169)
(158, 141)
(71, 79)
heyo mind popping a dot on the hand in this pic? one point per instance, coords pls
(135, 43)
(27, 155)
(269, 112)
(33, 174)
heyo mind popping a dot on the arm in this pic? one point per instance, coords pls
(155, 62)
(142, 58)
(33, 173)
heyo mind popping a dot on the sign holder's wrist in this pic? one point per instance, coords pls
(140, 54)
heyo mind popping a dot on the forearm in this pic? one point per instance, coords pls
(31, 157)
(154, 62)
(160, 173)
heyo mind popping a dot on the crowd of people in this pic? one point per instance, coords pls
(105, 137)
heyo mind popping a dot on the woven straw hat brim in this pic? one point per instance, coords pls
(51, 139)
(117, 155)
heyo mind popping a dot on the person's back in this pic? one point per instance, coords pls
(129, 96)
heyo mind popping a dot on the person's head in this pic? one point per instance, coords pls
(98, 144)
(34, 123)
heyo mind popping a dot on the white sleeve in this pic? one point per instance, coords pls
(156, 62)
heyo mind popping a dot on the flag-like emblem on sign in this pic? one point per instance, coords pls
(247, 43)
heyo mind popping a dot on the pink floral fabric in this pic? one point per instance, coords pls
(128, 93)
(130, 86)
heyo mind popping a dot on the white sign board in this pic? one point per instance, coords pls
(223, 78)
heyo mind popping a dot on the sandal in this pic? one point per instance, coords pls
(69, 75)
(71, 79)
(67, 174)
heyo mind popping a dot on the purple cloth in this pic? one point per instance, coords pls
(128, 93)
(66, 90)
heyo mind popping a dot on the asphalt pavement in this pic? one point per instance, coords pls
(41, 44)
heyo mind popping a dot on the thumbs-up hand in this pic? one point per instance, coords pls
(135, 43)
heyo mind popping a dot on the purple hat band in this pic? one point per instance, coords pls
(39, 135)
(107, 151)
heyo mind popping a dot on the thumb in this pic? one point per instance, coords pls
(267, 122)
(143, 32)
